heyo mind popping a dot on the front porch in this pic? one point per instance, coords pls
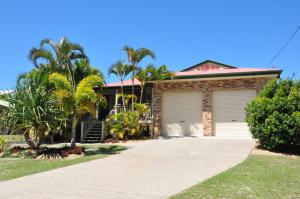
(93, 128)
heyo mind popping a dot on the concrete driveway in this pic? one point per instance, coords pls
(149, 169)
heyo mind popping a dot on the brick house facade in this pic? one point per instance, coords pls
(206, 87)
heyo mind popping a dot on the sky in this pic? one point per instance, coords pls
(243, 33)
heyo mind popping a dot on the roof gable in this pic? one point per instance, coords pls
(208, 65)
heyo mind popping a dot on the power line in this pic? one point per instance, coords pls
(284, 46)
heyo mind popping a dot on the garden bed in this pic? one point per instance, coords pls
(50, 152)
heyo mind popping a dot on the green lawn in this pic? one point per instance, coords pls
(264, 177)
(14, 138)
(15, 167)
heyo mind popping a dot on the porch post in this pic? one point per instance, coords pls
(97, 111)
(81, 132)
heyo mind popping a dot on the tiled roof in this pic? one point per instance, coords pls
(202, 73)
(125, 83)
(223, 71)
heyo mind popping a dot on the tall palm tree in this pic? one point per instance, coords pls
(134, 58)
(121, 70)
(142, 76)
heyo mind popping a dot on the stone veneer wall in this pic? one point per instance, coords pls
(206, 87)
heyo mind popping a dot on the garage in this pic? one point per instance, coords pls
(228, 112)
(182, 114)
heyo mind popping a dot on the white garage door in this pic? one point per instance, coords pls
(228, 110)
(182, 114)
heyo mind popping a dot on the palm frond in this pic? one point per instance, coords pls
(60, 81)
(120, 69)
(129, 51)
(35, 54)
(141, 53)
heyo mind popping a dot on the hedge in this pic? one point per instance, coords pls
(274, 116)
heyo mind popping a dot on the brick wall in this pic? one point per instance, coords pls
(206, 87)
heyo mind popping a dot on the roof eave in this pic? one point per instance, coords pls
(276, 72)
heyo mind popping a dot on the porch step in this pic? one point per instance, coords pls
(93, 134)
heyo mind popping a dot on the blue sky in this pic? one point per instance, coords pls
(245, 33)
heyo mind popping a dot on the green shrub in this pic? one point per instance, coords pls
(274, 116)
(125, 125)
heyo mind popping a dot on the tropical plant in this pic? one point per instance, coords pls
(70, 74)
(142, 109)
(274, 116)
(142, 76)
(135, 57)
(78, 99)
(32, 111)
(82, 69)
(121, 70)
(158, 74)
(125, 124)
(127, 98)
(4, 144)
(60, 57)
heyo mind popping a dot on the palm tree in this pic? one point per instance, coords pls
(142, 76)
(82, 69)
(121, 70)
(134, 58)
(80, 100)
(158, 75)
(71, 69)
(61, 56)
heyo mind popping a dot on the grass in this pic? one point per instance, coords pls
(259, 176)
(15, 167)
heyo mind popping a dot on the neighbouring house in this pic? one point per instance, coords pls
(207, 99)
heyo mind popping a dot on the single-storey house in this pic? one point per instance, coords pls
(207, 99)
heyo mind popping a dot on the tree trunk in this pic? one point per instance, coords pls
(34, 138)
(123, 100)
(73, 132)
(142, 90)
(132, 90)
